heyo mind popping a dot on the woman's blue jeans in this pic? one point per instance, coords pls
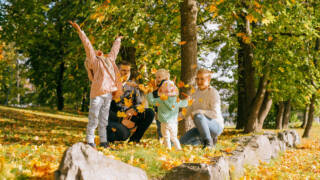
(206, 129)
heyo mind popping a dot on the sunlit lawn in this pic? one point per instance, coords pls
(32, 143)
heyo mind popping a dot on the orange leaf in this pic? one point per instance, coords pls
(163, 97)
(251, 18)
(184, 111)
(181, 84)
(194, 66)
(241, 34)
(183, 42)
(270, 38)
(153, 70)
(128, 102)
(193, 90)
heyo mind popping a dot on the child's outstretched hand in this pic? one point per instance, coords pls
(75, 25)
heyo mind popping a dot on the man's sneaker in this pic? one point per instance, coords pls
(92, 145)
(207, 143)
(104, 144)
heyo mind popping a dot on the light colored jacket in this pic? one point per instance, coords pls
(208, 103)
(168, 110)
(102, 82)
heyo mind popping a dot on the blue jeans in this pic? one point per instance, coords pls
(206, 129)
(159, 129)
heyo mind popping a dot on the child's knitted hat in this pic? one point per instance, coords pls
(168, 88)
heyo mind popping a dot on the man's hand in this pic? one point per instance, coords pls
(132, 84)
(75, 25)
(131, 112)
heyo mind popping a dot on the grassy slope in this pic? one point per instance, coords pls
(32, 143)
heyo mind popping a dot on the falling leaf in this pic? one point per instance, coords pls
(246, 39)
(183, 42)
(113, 129)
(212, 8)
(193, 90)
(163, 97)
(194, 66)
(153, 70)
(180, 84)
(190, 101)
(121, 114)
(251, 18)
(200, 100)
(281, 69)
(128, 102)
(270, 38)
(141, 108)
(184, 111)
(240, 34)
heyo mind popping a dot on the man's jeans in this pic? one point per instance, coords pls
(98, 115)
(206, 129)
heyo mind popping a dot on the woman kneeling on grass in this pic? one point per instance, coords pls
(205, 112)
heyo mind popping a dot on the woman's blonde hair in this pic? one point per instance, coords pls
(204, 71)
(164, 72)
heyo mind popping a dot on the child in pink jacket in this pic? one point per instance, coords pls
(104, 77)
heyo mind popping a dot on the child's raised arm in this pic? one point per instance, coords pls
(115, 49)
(85, 41)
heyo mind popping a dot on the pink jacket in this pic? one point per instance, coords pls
(102, 82)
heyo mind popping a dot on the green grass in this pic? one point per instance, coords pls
(32, 142)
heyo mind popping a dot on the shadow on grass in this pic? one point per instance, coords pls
(21, 127)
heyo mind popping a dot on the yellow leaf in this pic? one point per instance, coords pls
(251, 18)
(133, 41)
(153, 70)
(190, 101)
(140, 108)
(240, 34)
(163, 97)
(128, 102)
(184, 111)
(281, 69)
(212, 8)
(117, 100)
(121, 114)
(113, 129)
(193, 90)
(246, 39)
(200, 100)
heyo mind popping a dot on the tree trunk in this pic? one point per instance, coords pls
(84, 104)
(189, 12)
(286, 115)
(310, 117)
(305, 117)
(280, 115)
(246, 76)
(264, 110)
(60, 99)
(129, 54)
(252, 125)
(18, 82)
